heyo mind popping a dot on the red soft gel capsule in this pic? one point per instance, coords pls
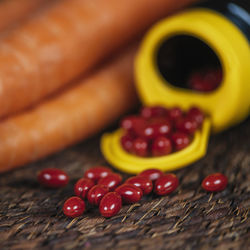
(53, 178)
(82, 187)
(110, 204)
(142, 182)
(196, 114)
(74, 207)
(129, 193)
(96, 173)
(166, 184)
(132, 123)
(187, 125)
(156, 111)
(152, 174)
(96, 193)
(111, 181)
(175, 113)
(140, 147)
(215, 182)
(161, 146)
(180, 140)
(127, 142)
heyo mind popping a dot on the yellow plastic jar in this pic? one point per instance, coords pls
(211, 34)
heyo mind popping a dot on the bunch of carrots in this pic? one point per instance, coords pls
(66, 70)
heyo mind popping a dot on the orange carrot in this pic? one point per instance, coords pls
(69, 117)
(12, 11)
(66, 40)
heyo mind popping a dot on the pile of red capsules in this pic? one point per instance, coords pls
(104, 188)
(158, 131)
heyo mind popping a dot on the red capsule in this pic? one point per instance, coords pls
(132, 123)
(129, 193)
(161, 146)
(152, 174)
(144, 183)
(127, 142)
(111, 181)
(140, 147)
(53, 178)
(166, 184)
(150, 112)
(110, 204)
(196, 114)
(187, 125)
(180, 140)
(82, 187)
(73, 207)
(215, 182)
(175, 113)
(96, 173)
(96, 193)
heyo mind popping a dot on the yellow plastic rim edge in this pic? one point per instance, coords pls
(119, 158)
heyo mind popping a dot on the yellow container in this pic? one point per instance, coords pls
(190, 39)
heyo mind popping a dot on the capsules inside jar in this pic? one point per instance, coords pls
(158, 131)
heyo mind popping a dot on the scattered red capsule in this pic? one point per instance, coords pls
(187, 125)
(127, 142)
(82, 187)
(152, 174)
(111, 181)
(129, 193)
(142, 182)
(215, 182)
(196, 114)
(180, 140)
(96, 193)
(73, 207)
(140, 147)
(166, 184)
(53, 178)
(150, 112)
(110, 204)
(161, 146)
(175, 113)
(96, 173)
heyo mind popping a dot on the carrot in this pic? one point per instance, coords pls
(66, 40)
(69, 117)
(12, 11)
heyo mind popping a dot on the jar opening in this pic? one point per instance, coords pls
(187, 62)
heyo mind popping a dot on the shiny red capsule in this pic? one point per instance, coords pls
(142, 182)
(152, 174)
(111, 181)
(175, 113)
(96, 173)
(82, 187)
(53, 178)
(187, 125)
(129, 193)
(73, 207)
(196, 114)
(140, 147)
(161, 146)
(132, 123)
(96, 193)
(215, 182)
(150, 112)
(166, 184)
(180, 140)
(127, 142)
(110, 204)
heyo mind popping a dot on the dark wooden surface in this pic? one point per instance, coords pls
(31, 216)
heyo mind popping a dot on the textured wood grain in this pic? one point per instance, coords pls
(31, 216)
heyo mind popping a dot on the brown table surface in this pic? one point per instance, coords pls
(31, 216)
